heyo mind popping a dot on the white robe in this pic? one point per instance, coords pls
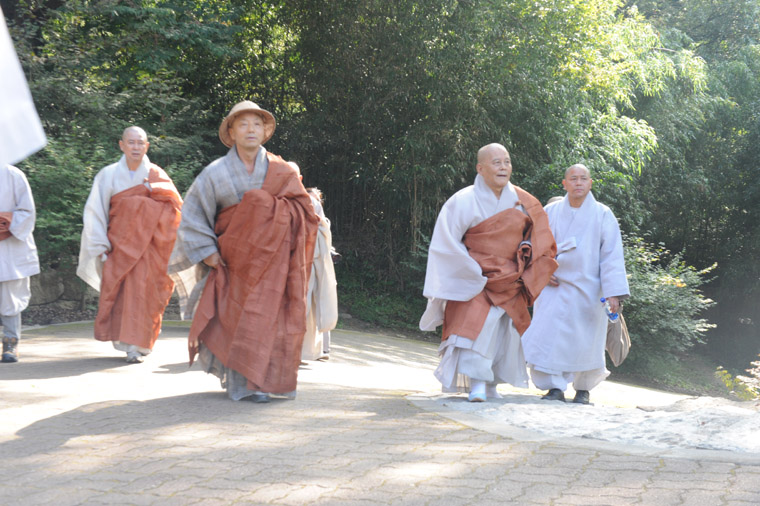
(21, 132)
(452, 274)
(322, 295)
(569, 326)
(94, 244)
(18, 253)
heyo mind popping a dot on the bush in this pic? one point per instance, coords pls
(663, 312)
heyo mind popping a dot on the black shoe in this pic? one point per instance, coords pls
(581, 397)
(555, 394)
(10, 353)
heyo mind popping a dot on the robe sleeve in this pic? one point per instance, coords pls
(196, 236)
(94, 242)
(452, 274)
(611, 260)
(542, 249)
(96, 218)
(22, 223)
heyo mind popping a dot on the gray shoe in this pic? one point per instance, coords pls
(259, 397)
(10, 349)
(134, 357)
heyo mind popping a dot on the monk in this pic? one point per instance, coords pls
(130, 224)
(566, 341)
(322, 296)
(242, 260)
(490, 256)
(18, 255)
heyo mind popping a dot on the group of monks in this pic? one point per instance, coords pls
(248, 250)
(494, 252)
(249, 253)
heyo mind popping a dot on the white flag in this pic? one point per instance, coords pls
(21, 132)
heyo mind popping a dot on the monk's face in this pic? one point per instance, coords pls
(577, 183)
(495, 167)
(134, 144)
(248, 131)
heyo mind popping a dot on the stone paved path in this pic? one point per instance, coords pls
(80, 426)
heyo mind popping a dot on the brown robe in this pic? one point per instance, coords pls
(5, 225)
(252, 314)
(142, 227)
(516, 274)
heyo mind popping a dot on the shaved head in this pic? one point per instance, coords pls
(134, 129)
(577, 166)
(486, 150)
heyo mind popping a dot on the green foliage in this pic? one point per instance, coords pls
(663, 312)
(378, 304)
(738, 386)
(60, 176)
(384, 105)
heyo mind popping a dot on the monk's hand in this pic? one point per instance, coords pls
(214, 260)
(553, 281)
(615, 305)
(192, 342)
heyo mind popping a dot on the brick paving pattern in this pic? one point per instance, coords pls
(80, 426)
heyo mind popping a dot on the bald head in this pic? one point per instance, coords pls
(489, 150)
(579, 167)
(136, 130)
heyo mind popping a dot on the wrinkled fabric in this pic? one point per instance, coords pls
(135, 287)
(220, 185)
(473, 282)
(18, 251)
(252, 313)
(14, 296)
(94, 243)
(515, 252)
(569, 328)
(322, 296)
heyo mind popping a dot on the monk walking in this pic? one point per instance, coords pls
(130, 224)
(242, 260)
(565, 343)
(490, 256)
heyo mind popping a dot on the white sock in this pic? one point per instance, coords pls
(477, 387)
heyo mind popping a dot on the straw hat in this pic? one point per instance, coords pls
(241, 107)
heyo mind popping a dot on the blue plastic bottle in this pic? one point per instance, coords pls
(612, 316)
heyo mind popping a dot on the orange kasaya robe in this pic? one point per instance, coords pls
(142, 227)
(5, 225)
(252, 314)
(516, 274)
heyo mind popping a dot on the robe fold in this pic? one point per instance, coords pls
(322, 296)
(488, 257)
(18, 252)
(498, 246)
(569, 327)
(135, 287)
(252, 312)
